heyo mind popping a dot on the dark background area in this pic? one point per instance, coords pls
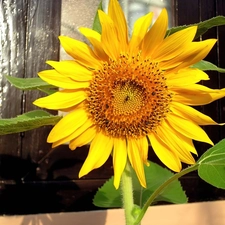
(33, 177)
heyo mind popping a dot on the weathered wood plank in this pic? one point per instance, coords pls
(208, 10)
(187, 12)
(194, 12)
(46, 197)
(43, 29)
(221, 61)
(12, 46)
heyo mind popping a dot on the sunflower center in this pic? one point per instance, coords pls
(128, 98)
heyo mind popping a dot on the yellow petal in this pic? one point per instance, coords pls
(140, 28)
(99, 152)
(61, 99)
(198, 54)
(188, 128)
(185, 77)
(67, 125)
(119, 159)
(171, 64)
(169, 158)
(117, 16)
(173, 45)
(192, 53)
(193, 98)
(143, 146)
(136, 161)
(187, 143)
(95, 39)
(109, 33)
(217, 94)
(175, 144)
(80, 51)
(57, 79)
(72, 69)
(89, 33)
(191, 114)
(196, 94)
(83, 139)
(155, 35)
(74, 135)
(70, 109)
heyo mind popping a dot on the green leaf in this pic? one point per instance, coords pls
(212, 165)
(205, 65)
(27, 121)
(155, 177)
(96, 24)
(28, 83)
(202, 26)
(107, 196)
(48, 91)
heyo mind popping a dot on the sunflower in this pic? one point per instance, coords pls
(123, 94)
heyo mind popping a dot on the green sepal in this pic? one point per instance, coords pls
(212, 165)
(136, 211)
(208, 66)
(27, 121)
(29, 83)
(96, 24)
(202, 26)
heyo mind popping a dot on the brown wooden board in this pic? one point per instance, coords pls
(13, 41)
(191, 12)
(221, 61)
(42, 29)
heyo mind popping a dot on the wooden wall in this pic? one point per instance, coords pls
(36, 179)
(193, 11)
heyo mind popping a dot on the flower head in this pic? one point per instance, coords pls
(122, 93)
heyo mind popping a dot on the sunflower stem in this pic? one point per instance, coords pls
(127, 194)
(161, 188)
